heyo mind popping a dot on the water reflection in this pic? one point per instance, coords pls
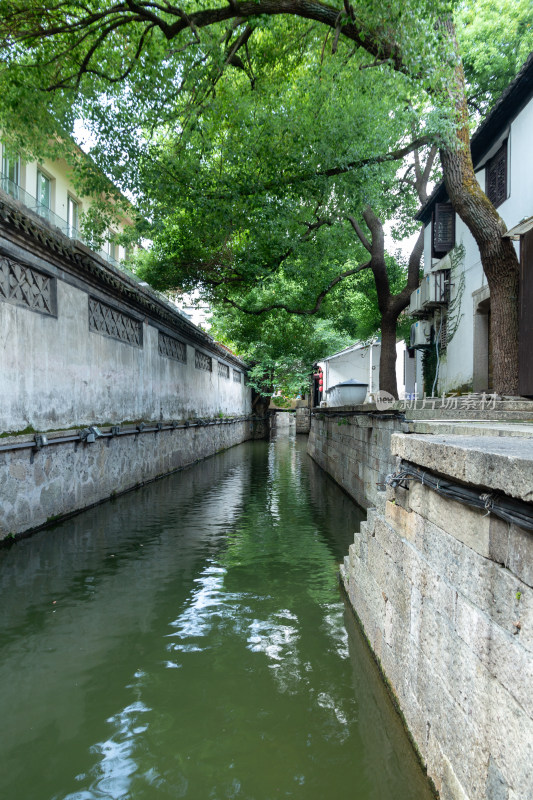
(189, 640)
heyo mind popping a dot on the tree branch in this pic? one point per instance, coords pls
(43, 22)
(377, 262)
(422, 190)
(393, 155)
(360, 233)
(241, 40)
(301, 312)
(315, 226)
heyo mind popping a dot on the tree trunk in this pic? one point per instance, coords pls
(387, 359)
(390, 306)
(498, 256)
(499, 261)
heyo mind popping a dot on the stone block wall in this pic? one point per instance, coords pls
(444, 593)
(354, 449)
(282, 422)
(303, 420)
(37, 487)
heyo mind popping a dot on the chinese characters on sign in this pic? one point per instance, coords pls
(475, 401)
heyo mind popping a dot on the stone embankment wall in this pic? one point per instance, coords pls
(39, 486)
(283, 422)
(444, 594)
(303, 419)
(353, 446)
(84, 344)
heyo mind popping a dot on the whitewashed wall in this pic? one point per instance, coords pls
(58, 370)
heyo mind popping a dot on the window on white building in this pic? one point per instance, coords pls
(443, 229)
(10, 173)
(496, 176)
(44, 191)
(72, 217)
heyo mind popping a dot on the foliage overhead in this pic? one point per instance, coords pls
(129, 68)
(250, 133)
(280, 349)
(495, 37)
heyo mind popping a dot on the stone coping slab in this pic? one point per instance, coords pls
(516, 410)
(501, 463)
(471, 428)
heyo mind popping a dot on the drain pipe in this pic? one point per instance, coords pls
(90, 434)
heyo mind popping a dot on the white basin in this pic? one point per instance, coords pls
(348, 393)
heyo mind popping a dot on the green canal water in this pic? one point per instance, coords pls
(190, 640)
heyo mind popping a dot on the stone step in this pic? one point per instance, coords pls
(470, 428)
(519, 415)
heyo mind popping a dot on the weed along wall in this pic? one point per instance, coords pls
(84, 345)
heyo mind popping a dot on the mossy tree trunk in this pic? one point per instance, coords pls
(498, 256)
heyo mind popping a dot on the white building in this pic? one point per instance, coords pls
(360, 362)
(48, 190)
(453, 302)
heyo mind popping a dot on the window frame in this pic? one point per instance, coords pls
(73, 228)
(439, 248)
(499, 193)
(46, 176)
(7, 161)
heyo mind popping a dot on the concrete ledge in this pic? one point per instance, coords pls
(502, 463)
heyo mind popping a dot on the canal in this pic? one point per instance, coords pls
(190, 639)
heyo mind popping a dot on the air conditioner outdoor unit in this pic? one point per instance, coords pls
(421, 334)
(415, 303)
(434, 290)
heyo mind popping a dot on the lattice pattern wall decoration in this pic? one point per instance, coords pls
(201, 361)
(27, 287)
(223, 370)
(172, 348)
(236, 376)
(114, 323)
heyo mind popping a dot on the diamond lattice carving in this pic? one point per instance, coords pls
(223, 370)
(201, 361)
(26, 286)
(172, 348)
(111, 322)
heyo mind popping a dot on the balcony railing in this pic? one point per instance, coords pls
(18, 193)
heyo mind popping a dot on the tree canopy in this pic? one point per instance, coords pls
(132, 69)
(250, 133)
